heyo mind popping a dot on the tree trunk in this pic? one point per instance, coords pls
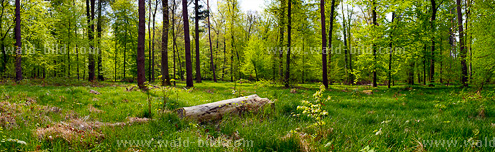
(390, 54)
(345, 45)
(463, 49)
(196, 41)
(330, 34)
(281, 41)
(18, 43)
(165, 73)
(187, 43)
(350, 46)
(153, 45)
(91, 60)
(289, 28)
(125, 50)
(215, 111)
(150, 54)
(98, 51)
(211, 48)
(374, 47)
(433, 29)
(323, 43)
(141, 42)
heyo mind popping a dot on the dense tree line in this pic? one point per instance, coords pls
(376, 42)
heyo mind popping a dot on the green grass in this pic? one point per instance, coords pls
(405, 116)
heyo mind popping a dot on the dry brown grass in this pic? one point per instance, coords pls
(80, 131)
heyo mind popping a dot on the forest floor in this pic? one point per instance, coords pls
(61, 115)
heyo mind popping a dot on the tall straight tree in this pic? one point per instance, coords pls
(209, 38)
(196, 40)
(330, 34)
(149, 41)
(153, 44)
(18, 43)
(433, 29)
(344, 32)
(375, 23)
(390, 53)
(99, 30)
(165, 73)
(187, 45)
(323, 43)
(281, 40)
(289, 28)
(91, 29)
(464, 77)
(141, 42)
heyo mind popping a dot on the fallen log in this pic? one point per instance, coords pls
(215, 111)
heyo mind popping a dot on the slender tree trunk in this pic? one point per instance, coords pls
(68, 48)
(196, 41)
(424, 64)
(18, 43)
(98, 51)
(433, 30)
(141, 42)
(441, 61)
(350, 47)
(211, 48)
(125, 50)
(374, 46)
(165, 73)
(91, 28)
(390, 54)
(224, 55)
(173, 39)
(187, 43)
(150, 54)
(463, 53)
(153, 46)
(289, 28)
(323, 43)
(77, 51)
(4, 54)
(281, 50)
(330, 34)
(345, 45)
(232, 45)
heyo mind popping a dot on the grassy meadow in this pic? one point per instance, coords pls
(62, 115)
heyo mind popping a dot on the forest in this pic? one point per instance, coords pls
(214, 75)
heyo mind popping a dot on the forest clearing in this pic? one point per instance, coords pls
(247, 75)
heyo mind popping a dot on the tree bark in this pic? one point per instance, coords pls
(91, 28)
(330, 34)
(165, 73)
(209, 38)
(99, 30)
(390, 54)
(289, 28)
(150, 54)
(323, 43)
(433, 29)
(281, 41)
(141, 42)
(196, 41)
(18, 43)
(216, 110)
(463, 49)
(187, 43)
(153, 45)
(345, 45)
(374, 46)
